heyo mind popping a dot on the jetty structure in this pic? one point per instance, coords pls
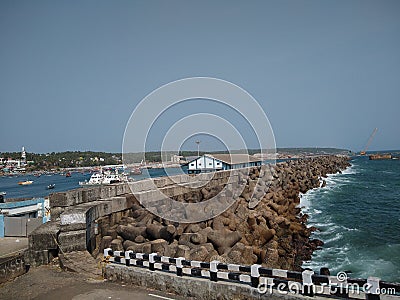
(381, 156)
(259, 241)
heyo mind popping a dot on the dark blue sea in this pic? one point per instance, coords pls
(358, 214)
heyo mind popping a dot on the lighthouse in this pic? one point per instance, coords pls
(23, 155)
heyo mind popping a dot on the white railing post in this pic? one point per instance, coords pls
(255, 275)
(373, 288)
(214, 270)
(152, 261)
(308, 286)
(179, 265)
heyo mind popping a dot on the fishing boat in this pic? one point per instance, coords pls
(50, 186)
(26, 182)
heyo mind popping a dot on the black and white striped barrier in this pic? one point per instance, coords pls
(264, 279)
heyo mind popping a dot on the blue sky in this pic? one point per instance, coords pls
(325, 72)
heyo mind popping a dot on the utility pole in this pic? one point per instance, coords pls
(198, 148)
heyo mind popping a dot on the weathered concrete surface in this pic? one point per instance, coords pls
(44, 237)
(189, 287)
(81, 262)
(43, 244)
(62, 200)
(12, 261)
(77, 223)
(11, 267)
(72, 240)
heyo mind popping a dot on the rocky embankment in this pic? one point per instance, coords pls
(271, 231)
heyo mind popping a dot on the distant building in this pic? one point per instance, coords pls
(177, 158)
(216, 162)
(17, 165)
(21, 217)
(190, 158)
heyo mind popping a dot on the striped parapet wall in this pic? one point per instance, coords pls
(264, 280)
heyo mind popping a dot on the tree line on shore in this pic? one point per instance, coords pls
(73, 159)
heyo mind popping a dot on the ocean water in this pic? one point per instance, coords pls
(38, 187)
(358, 216)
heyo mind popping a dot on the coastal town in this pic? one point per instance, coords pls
(16, 163)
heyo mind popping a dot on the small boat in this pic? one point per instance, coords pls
(136, 171)
(3, 193)
(68, 174)
(26, 182)
(51, 186)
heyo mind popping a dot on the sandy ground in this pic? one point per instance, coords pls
(50, 282)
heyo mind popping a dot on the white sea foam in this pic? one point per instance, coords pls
(320, 225)
(353, 169)
(349, 229)
(337, 237)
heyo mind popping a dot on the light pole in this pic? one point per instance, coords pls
(198, 148)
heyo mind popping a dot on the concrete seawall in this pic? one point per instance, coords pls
(216, 280)
(195, 288)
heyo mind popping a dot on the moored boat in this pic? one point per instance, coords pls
(95, 179)
(104, 178)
